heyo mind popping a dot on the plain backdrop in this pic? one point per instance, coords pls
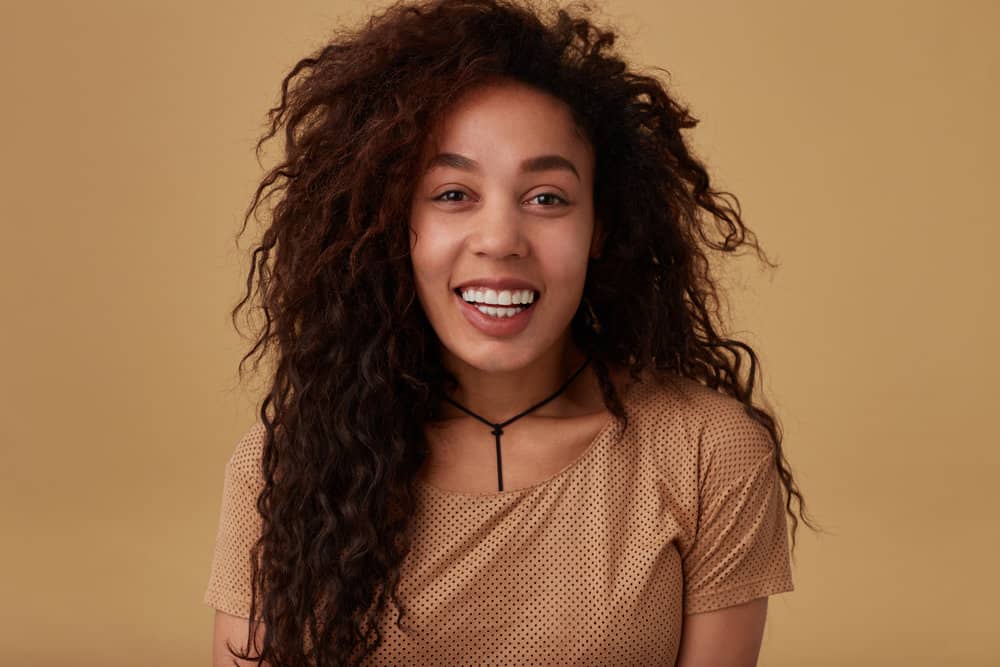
(859, 136)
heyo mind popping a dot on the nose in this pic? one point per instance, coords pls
(499, 232)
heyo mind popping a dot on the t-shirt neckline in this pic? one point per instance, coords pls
(611, 428)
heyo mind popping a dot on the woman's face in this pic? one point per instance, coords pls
(508, 198)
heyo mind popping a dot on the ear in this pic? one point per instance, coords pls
(597, 240)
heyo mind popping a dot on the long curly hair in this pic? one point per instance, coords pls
(356, 368)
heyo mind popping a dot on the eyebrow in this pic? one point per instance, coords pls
(539, 163)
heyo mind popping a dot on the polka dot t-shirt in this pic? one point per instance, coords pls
(679, 513)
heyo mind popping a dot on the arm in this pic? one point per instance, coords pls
(229, 585)
(738, 554)
(234, 630)
(727, 637)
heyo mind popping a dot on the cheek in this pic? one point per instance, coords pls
(565, 257)
(432, 255)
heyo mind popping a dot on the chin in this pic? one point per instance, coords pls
(496, 360)
(500, 356)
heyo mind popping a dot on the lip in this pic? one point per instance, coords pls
(492, 326)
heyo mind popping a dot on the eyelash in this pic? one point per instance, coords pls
(540, 194)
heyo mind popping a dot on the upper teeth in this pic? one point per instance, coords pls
(501, 298)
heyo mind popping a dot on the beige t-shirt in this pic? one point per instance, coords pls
(682, 512)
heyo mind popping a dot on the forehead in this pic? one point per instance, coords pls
(505, 120)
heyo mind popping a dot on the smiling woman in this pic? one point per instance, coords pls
(525, 221)
(500, 403)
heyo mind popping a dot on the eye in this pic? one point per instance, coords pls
(442, 196)
(550, 194)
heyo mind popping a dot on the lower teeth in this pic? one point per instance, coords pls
(499, 313)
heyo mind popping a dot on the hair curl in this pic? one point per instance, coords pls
(357, 368)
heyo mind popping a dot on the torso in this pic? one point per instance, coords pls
(462, 451)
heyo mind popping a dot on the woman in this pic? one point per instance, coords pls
(499, 403)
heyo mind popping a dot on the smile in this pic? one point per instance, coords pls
(498, 303)
(488, 311)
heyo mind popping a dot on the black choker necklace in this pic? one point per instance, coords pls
(498, 428)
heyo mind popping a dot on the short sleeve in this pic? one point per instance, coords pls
(238, 528)
(740, 549)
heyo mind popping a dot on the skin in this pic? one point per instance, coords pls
(234, 630)
(491, 217)
(728, 637)
(494, 218)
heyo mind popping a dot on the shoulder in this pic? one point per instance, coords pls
(731, 440)
(666, 396)
(245, 460)
(711, 423)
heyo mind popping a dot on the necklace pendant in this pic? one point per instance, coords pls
(497, 429)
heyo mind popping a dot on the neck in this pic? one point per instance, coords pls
(498, 395)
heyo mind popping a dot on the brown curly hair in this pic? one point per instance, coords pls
(356, 365)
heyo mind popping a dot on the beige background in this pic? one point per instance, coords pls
(860, 137)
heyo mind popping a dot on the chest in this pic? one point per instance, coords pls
(462, 456)
(557, 579)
